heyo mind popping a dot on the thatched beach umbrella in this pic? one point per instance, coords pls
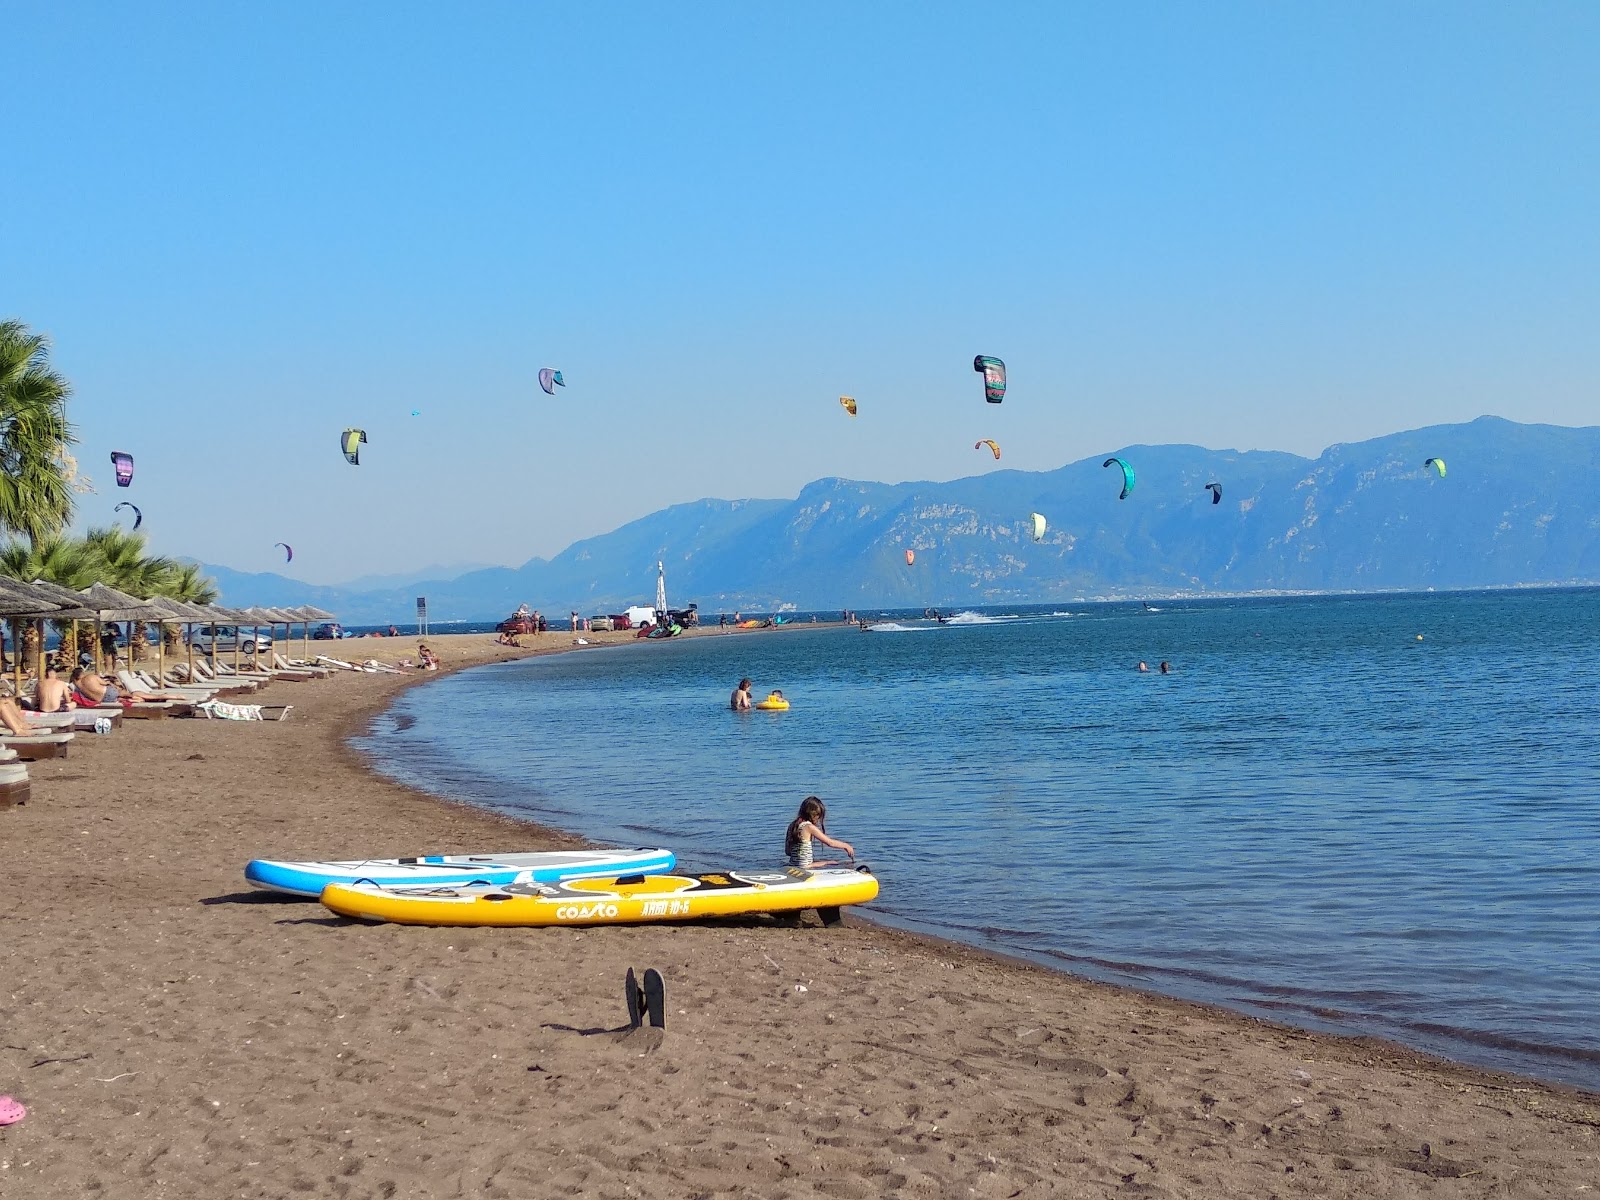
(261, 616)
(108, 604)
(309, 613)
(72, 610)
(174, 612)
(21, 601)
(281, 616)
(214, 615)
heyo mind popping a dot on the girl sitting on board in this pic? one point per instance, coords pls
(808, 824)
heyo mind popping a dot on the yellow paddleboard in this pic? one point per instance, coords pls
(621, 900)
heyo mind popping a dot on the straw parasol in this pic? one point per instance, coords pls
(173, 612)
(281, 616)
(69, 600)
(21, 601)
(306, 614)
(108, 604)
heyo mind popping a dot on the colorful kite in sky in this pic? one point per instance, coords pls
(994, 377)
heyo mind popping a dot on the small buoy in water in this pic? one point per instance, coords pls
(1419, 637)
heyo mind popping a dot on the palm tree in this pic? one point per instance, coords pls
(69, 562)
(125, 566)
(35, 487)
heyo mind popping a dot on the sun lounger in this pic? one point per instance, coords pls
(141, 681)
(233, 687)
(299, 668)
(336, 664)
(217, 710)
(223, 671)
(14, 785)
(38, 745)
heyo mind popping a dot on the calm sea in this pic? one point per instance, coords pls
(1370, 814)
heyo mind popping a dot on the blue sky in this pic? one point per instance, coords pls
(1238, 225)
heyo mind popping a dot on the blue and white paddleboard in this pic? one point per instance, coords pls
(446, 870)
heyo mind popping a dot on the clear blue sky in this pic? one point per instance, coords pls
(1246, 225)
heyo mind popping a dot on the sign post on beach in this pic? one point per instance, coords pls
(422, 616)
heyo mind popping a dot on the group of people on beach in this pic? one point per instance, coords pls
(84, 688)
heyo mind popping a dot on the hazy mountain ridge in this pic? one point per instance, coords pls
(1520, 504)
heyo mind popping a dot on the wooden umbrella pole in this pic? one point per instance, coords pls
(189, 631)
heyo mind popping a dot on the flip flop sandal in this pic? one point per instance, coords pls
(634, 995)
(10, 1111)
(655, 998)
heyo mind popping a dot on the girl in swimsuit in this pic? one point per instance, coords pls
(809, 824)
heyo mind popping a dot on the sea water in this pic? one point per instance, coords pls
(1377, 815)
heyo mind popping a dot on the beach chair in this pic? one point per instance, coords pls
(80, 719)
(15, 787)
(205, 678)
(218, 710)
(38, 745)
(336, 664)
(143, 682)
(284, 664)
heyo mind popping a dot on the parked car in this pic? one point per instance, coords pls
(223, 639)
(599, 624)
(328, 631)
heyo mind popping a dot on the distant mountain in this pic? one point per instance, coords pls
(1520, 504)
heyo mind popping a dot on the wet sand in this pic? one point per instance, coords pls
(177, 1035)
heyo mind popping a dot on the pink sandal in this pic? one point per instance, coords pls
(10, 1111)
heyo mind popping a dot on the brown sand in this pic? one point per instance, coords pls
(175, 1035)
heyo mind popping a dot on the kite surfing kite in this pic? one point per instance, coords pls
(550, 380)
(287, 549)
(124, 465)
(138, 517)
(1216, 492)
(1039, 526)
(911, 557)
(1435, 462)
(1127, 476)
(849, 403)
(351, 441)
(994, 377)
(991, 443)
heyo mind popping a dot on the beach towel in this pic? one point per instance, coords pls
(218, 710)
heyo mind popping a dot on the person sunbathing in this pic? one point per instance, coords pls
(53, 695)
(11, 716)
(91, 689)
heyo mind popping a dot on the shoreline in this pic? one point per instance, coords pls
(174, 1034)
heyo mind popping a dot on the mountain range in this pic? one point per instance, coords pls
(1517, 505)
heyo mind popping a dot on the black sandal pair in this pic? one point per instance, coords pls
(648, 1002)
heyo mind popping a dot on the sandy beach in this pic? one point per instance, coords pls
(175, 1034)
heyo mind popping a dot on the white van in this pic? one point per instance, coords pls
(641, 614)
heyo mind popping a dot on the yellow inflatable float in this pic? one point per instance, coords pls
(624, 900)
(774, 703)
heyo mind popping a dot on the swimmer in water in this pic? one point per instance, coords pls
(1166, 667)
(1142, 666)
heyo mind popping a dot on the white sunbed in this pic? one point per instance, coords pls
(284, 664)
(140, 681)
